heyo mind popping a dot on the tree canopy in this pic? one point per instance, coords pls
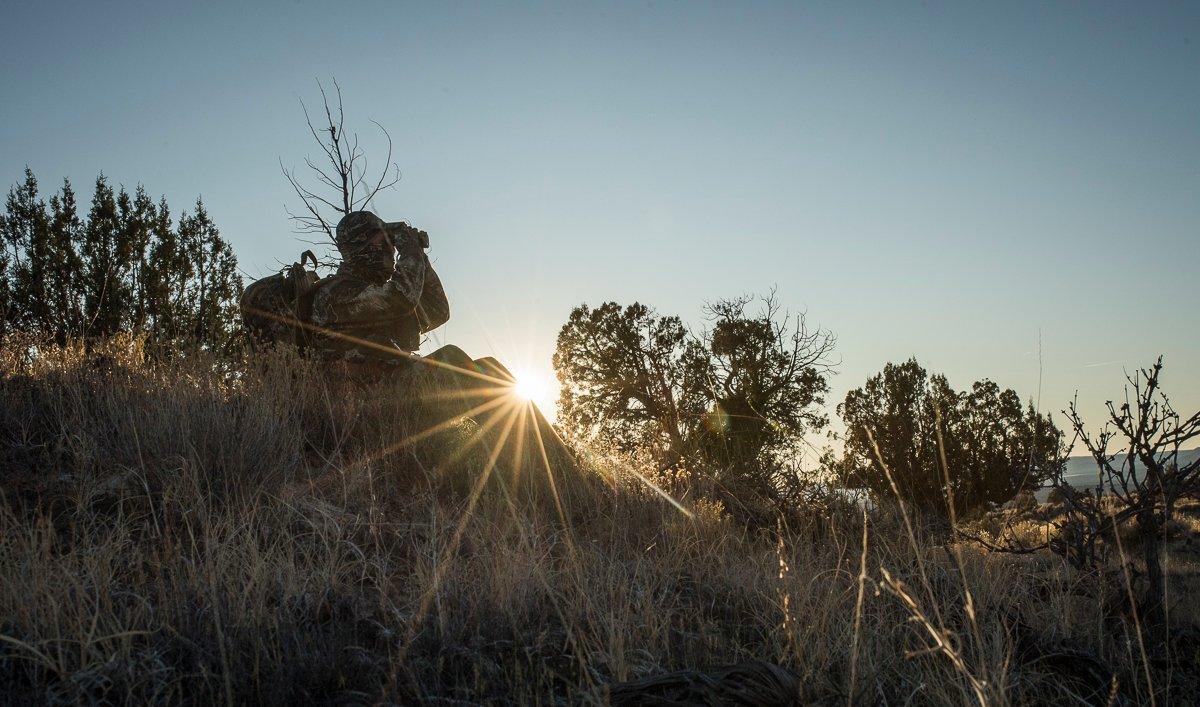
(916, 428)
(124, 267)
(731, 400)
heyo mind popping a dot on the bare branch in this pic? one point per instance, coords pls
(344, 169)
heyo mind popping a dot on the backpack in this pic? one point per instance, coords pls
(276, 308)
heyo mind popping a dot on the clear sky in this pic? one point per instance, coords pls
(954, 181)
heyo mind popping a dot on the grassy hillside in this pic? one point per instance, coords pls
(171, 533)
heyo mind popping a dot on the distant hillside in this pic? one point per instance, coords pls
(1081, 471)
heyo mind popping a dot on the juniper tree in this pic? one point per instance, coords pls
(622, 374)
(64, 265)
(126, 268)
(5, 288)
(907, 433)
(136, 216)
(211, 291)
(106, 264)
(895, 411)
(36, 280)
(729, 404)
(167, 272)
(5, 282)
(764, 375)
(24, 224)
(42, 281)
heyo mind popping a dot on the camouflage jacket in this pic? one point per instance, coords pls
(357, 316)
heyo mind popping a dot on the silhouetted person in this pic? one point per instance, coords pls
(365, 320)
(383, 297)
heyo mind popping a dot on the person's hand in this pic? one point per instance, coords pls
(409, 239)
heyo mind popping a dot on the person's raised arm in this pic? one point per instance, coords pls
(433, 310)
(408, 278)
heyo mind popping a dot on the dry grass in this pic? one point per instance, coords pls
(172, 534)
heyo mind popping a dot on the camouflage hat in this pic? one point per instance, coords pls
(356, 229)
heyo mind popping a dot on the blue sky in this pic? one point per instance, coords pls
(952, 181)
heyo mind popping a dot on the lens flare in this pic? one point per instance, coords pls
(535, 387)
(529, 389)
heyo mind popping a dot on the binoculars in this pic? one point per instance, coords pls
(400, 231)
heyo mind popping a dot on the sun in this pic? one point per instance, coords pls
(537, 387)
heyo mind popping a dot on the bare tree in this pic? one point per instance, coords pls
(1141, 475)
(1144, 475)
(340, 174)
